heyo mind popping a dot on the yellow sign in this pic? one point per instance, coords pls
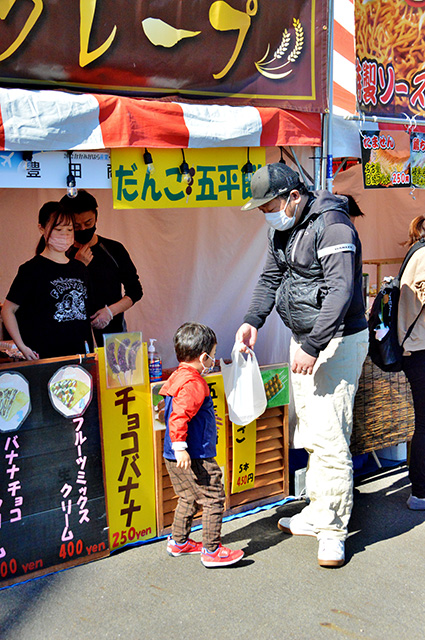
(202, 178)
(244, 449)
(128, 458)
(215, 383)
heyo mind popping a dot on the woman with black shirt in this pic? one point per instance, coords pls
(45, 311)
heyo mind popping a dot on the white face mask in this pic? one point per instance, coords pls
(279, 220)
(206, 370)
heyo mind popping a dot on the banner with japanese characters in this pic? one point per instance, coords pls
(244, 450)
(263, 52)
(52, 497)
(50, 169)
(385, 159)
(199, 178)
(390, 56)
(128, 458)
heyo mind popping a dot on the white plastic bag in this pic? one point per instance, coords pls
(243, 386)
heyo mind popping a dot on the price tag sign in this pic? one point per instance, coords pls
(244, 448)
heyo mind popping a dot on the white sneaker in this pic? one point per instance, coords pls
(416, 504)
(296, 526)
(331, 552)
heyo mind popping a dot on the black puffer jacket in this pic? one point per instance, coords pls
(313, 273)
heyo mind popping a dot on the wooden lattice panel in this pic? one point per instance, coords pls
(271, 469)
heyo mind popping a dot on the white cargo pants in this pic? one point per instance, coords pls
(324, 409)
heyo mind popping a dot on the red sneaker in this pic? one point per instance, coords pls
(221, 557)
(187, 548)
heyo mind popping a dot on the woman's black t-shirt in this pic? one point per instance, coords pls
(52, 317)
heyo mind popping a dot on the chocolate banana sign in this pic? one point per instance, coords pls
(235, 51)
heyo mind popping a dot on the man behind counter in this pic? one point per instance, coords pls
(109, 264)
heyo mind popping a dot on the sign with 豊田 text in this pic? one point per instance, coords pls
(128, 458)
(52, 499)
(214, 178)
(49, 169)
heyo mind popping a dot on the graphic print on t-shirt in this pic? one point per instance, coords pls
(70, 294)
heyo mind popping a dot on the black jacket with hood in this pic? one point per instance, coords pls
(313, 274)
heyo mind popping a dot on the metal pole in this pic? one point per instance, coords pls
(317, 152)
(328, 116)
(387, 120)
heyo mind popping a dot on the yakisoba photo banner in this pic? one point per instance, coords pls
(390, 56)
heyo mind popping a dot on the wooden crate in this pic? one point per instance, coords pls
(271, 470)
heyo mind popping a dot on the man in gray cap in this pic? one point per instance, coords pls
(313, 275)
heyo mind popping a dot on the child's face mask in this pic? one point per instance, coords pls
(206, 370)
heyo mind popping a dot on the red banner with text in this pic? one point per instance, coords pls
(260, 52)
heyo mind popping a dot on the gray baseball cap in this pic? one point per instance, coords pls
(271, 181)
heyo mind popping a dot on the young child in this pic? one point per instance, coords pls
(190, 448)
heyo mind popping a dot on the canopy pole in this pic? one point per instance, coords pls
(317, 153)
(327, 177)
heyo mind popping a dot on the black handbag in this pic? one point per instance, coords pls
(387, 353)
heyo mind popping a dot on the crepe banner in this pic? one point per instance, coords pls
(390, 56)
(385, 159)
(267, 52)
(128, 458)
(215, 383)
(213, 178)
(124, 361)
(276, 384)
(244, 449)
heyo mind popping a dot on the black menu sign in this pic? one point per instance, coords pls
(52, 498)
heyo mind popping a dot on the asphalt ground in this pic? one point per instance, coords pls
(277, 591)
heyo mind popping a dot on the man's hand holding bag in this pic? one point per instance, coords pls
(243, 386)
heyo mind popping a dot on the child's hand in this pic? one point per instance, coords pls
(183, 459)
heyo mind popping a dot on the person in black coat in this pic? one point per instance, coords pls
(109, 264)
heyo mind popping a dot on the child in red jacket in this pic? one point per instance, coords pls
(190, 448)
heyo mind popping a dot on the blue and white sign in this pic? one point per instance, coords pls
(49, 169)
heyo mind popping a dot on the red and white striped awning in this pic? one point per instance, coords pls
(56, 120)
(344, 69)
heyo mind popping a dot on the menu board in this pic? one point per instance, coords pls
(52, 498)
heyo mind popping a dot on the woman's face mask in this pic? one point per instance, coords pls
(279, 220)
(61, 237)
